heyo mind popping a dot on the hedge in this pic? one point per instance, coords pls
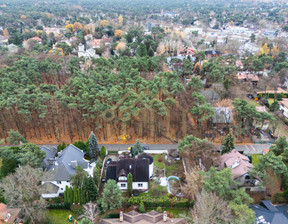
(112, 216)
(164, 202)
(271, 95)
(58, 206)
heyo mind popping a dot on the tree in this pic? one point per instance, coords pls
(69, 28)
(274, 106)
(142, 51)
(30, 154)
(195, 84)
(85, 221)
(93, 146)
(103, 152)
(193, 184)
(67, 50)
(252, 38)
(96, 177)
(79, 176)
(130, 184)
(15, 137)
(90, 212)
(77, 26)
(137, 148)
(210, 209)
(118, 33)
(61, 147)
(228, 142)
(112, 196)
(220, 182)
(22, 189)
(104, 23)
(279, 147)
(120, 19)
(242, 214)
(89, 189)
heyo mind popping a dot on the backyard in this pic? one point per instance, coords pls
(59, 216)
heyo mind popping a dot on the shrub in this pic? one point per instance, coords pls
(112, 216)
(103, 152)
(160, 159)
(170, 215)
(159, 209)
(141, 207)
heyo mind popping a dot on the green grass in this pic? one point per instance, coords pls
(173, 168)
(157, 163)
(254, 103)
(255, 159)
(175, 211)
(270, 101)
(112, 152)
(59, 216)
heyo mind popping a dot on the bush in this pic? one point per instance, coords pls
(103, 152)
(160, 159)
(76, 208)
(159, 209)
(58, 206)
(141, 207)
(112, 216)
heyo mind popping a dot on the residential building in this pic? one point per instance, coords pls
(144, 218)
(60, 169)
(267, 213)
(90, 53)
(210, 96)
(223, 117)
(140, 167)
(247, 77)
(284, 107)
(9, 215)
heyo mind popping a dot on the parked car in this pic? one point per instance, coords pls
(146, 147)
(108, 162)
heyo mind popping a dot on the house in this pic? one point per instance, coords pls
(9, 215)
(239, 164)
(223, 117)
(262, 125)
(267, 213)
(144, 218)
(186, 51)
(239, 64)
(140, 167)
(210, 96)
(60, 169)
(284, 107)
(210, 54)
(246, 77)
(90, 53)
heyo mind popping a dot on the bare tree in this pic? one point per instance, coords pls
(90, 212)
(194, 182)
(22, 190)
(210, 209)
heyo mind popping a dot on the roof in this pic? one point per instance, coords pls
(4, 211)
(266, 212)
(239, 163)
(261, 109)
(223, 115)
(49, 188)
(146, 156)
(210, 95)
(66, 162)
(284, 102)
(50, 156)
(143, 218)
(138, 167)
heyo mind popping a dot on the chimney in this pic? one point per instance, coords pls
(121, 216)
(165, 216)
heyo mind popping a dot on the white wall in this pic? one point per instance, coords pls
(285, 110)
(61, 186)
(150, 170)
(134, 185)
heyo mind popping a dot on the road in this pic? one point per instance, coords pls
(247, 149)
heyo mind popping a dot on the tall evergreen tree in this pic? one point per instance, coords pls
(130, 183)
(66, 195)
(93, 146)
(75, 195)
(228, 143)
(89, 189)
(137, 148)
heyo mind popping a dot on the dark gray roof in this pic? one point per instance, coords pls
(223, 115)
(210, 96)
(49, 188)
(146, 156)
(266, 211)
(111, 171)
(66, 162)
(50, 156)
(59, 173)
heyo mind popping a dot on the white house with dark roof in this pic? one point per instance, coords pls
(61, 168)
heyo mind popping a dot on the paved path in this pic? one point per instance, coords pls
(247, 149)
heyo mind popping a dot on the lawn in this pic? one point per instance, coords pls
(255, 159)
(59, 216)
(175, 211)
(254, 103)
(270, 101)
(156, 162)
(173, 168)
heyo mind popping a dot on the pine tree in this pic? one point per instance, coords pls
(70, 195)
(90, 190)
(79, 198)
(142, 51)
(96, 177)
(93, 146)
(228, 143)
(66, 195)
(130, 184)
(137, 148)
(103, 152)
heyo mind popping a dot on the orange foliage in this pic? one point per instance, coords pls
(118, 33)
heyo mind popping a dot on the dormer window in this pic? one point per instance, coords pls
(123, 178)
(235, 164)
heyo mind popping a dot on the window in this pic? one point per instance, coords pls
(123, 185)
(61, 189)
(122, 178)
(140, 185)
(58, 182)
